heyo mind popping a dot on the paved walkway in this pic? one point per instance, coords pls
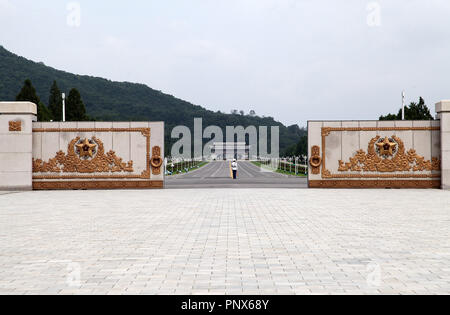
(217, 175)
(225, 241)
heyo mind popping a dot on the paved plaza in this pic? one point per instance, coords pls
(219, 241)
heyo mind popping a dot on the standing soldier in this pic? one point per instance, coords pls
(234, 168)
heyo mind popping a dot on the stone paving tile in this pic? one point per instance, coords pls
(246, 241)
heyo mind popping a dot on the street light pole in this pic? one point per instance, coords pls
(63, 107)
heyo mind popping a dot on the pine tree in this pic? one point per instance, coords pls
(44, 113)
(418, 111)
(415, 111)
(55, 102)
(28, 94)
(75, 109)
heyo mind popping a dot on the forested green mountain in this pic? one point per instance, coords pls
(122, 101)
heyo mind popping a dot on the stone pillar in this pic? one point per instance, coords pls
(16, 145)
(443, 111)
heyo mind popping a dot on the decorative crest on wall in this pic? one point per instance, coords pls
(15, 126)
(388, 155)
(84, 156)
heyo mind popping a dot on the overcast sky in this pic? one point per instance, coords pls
(295, 60)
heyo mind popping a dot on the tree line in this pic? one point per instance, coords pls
(75, 108)
(415, 111)
(107, 100)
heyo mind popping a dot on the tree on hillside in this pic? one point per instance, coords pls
(28, 94)
(415, 111)
(299, 149)
(44, 113)
(302, 146)
(55, 102)
(121, 101)
(75, 109)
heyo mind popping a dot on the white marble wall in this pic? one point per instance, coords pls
(343, 145)
(443, 110)
(128, 145)
(16, 146)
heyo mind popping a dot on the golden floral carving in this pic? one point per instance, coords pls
(72, 163)
(15, 126)
(402, 161)
(326, 174)
(52, 163)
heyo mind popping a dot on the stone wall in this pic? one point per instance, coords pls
(77, 155)
(16, 145)
(375, 154)
(443, 111)
(98, 155)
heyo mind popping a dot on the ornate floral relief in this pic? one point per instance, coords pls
(84, 156)
(378, 158)
(15, 126)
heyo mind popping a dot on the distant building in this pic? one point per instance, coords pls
(230, 150)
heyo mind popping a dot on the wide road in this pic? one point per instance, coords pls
(217, 175)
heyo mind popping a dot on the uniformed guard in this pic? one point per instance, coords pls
(234, 168)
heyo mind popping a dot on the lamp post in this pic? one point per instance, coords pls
(64, 107)
(403, 105)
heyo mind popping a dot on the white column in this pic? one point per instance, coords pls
(16, 149)
(443, 111)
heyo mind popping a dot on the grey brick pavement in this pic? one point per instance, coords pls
(225, 242)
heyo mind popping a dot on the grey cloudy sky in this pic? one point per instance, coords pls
(296, 60)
